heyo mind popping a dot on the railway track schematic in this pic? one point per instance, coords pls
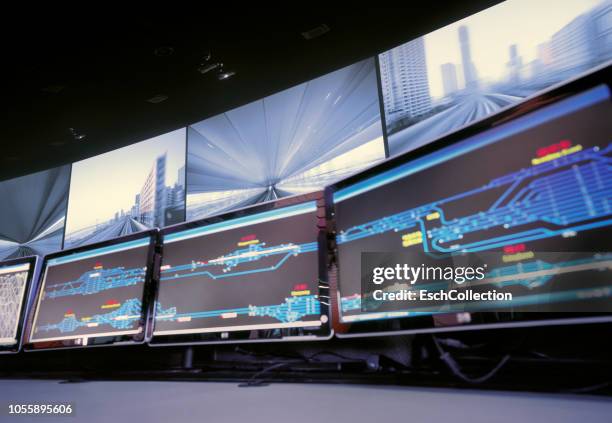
(13, 281)
(541, 183)
(94, 293)
(258, 272)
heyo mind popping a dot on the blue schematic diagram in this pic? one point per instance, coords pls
(123, 317)
(258, 271)
(559, 195)
(97, 280)
(531, 275)
(567, 193)
(293, 309)
(226, 265)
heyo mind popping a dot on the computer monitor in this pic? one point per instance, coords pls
(15, 281)
(292, 142)
(127, 190)
(95, 295)
(535, 178)
(254, 275)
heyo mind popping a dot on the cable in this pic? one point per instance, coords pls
(456, 343)
(456, 369)
(333, 354)
(253, 381)
(591, 388)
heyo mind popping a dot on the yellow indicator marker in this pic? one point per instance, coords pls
(111, 305)
(558, 154)
(413, 238)
(433, 216)
(518, 256)
(245, 243)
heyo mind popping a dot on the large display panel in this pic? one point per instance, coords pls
(472, 68)
(15, 281)
(128, 190)
(33, 213)
(521, 183)
(95, 295)
(258, 274)
(293, 142)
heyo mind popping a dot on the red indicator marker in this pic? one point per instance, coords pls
(513, 249)
(553, 148)
(248, 238)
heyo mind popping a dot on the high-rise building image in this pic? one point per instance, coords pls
(148, 198)
(449, 78)
(514, 65)
(469, 70)
(403, 73)
(602, 22)
(148, 193)
(572, 46)
(484, 69)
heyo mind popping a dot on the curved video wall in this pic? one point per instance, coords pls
(311, 135)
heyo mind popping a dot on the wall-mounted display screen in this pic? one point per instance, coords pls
(33, 213)
(250, 277)
(127, 190)
(95, 294)
(15, 277)
(540, 183)
(293, 142)
(472, 68)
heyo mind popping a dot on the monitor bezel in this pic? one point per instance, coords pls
(480, 320)
(25, 303)
(101, 341)
(323, 332)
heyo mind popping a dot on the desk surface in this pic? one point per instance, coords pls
(150, 402)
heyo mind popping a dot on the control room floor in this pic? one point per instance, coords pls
(295, 403)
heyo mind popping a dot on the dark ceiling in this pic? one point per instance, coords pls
(96, 74)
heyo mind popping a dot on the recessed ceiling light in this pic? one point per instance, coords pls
(315, 32)
(207, 67)
(157, 98)
(53, 89)
(76, 135)
(222, 76)
(163, 51)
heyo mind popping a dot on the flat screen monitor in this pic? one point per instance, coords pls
(257, 274)
(473, 68)
(33, 213)
(95, 295)
(128, 190)
(536, 178)
(292, 142)
(15, 281)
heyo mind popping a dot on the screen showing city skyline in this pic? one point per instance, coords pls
(474, 67)
(33, 213)
(127, 190)
(293, 142)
